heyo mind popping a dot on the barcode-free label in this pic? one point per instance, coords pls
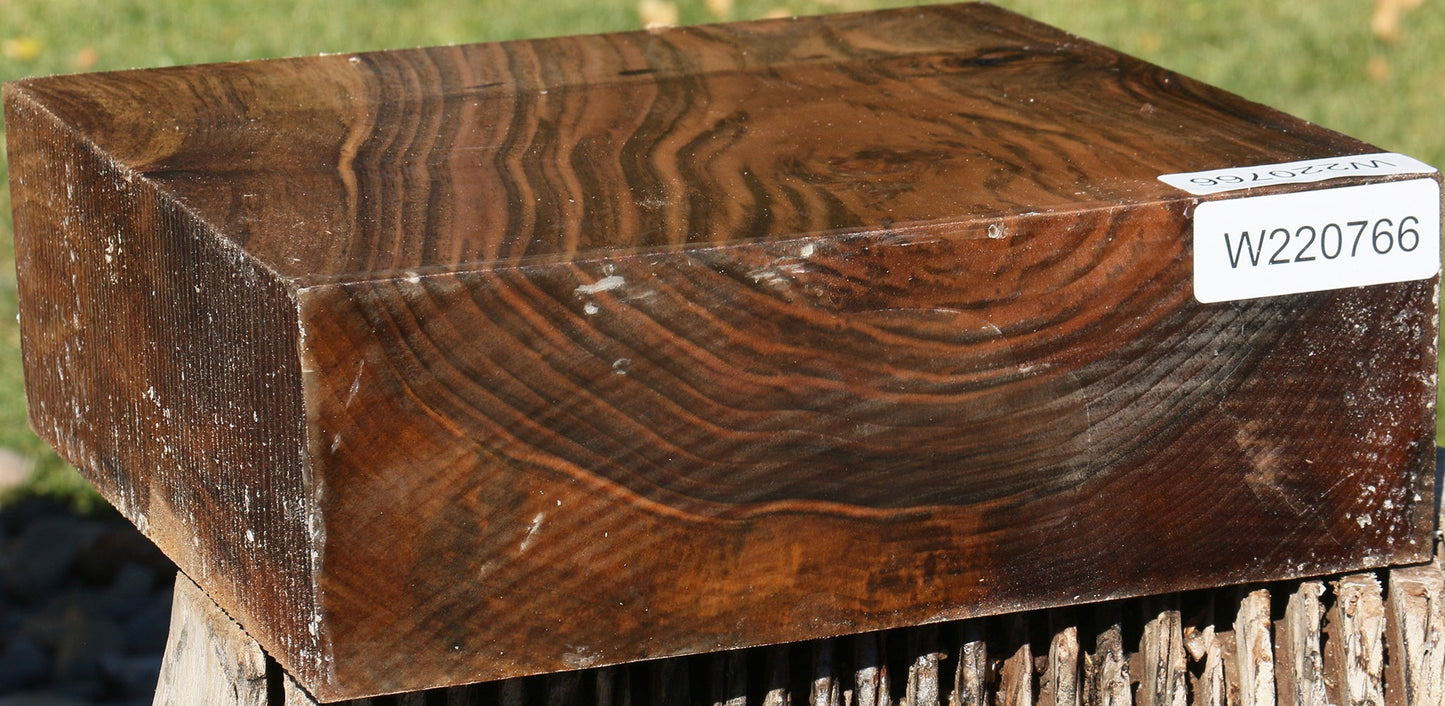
(1310, 241)
(1306, 171)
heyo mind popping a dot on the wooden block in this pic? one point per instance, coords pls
(1060, 683)
(209, 660)
(971, 679)
(922, 687)
(1415, 630)
(292, 694)
(870, 677)
(1016, 678)
(458, 364)
(1355, 648)
(777, 692)
(1106, 670)
(1300, 674)
(1163, 679)
(826, 689)
(1254, 656)
(1210, 687)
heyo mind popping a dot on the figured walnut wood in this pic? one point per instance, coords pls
(549, 354)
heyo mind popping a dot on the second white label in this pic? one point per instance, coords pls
(1312, 241)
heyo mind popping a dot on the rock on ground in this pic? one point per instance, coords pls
(84, 607)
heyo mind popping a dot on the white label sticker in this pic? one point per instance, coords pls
(1353, 236)
(1310, 170)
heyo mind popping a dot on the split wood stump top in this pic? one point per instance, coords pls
(446, 365)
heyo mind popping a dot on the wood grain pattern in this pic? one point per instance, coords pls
(1355, 646)
(1297, 649)
(1016, 678)
(1160, 665)
(1211, 687)
(544, 355)
(1416, 616)
(1106, 670)
(1060, 683)
(1254, 652)
(971, 675)
(209, 660)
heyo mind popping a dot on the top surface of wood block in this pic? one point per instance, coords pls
(388, 164)
(444, 365)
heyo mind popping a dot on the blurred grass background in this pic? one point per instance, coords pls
(1374, 69)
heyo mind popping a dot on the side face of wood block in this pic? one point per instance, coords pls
(439, 366)
(162, 362)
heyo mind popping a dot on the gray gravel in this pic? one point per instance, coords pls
(84, 607)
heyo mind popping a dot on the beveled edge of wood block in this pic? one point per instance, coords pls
(153, 431)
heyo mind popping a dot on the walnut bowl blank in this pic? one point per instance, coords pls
(446, 365)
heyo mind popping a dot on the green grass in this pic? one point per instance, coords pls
(1316, 59)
